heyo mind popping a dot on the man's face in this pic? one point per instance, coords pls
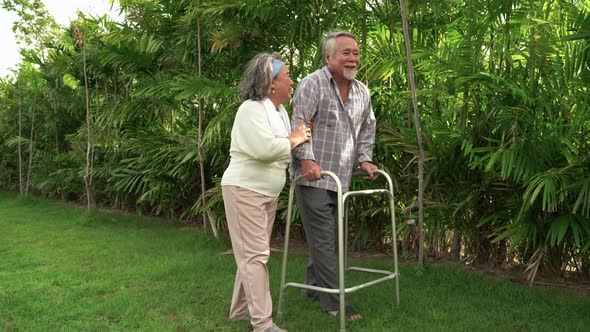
(345, 61)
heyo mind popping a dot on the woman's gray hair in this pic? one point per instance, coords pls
(258, 76)
(329, 45)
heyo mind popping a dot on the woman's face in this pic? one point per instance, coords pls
(282, 85)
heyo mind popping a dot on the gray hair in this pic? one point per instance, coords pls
(329, 45)
(258, 76)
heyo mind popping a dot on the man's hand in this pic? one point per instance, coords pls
(310, 170)
(368, 167)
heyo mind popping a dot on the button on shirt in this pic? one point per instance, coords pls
(343, 134)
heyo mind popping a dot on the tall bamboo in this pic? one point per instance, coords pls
(81, 41)
(200, 140)
(31, 147)
(418, 133)
(21, 182)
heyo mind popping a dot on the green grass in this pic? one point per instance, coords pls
(63, 269)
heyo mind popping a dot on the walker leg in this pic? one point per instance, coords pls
(341, 261)
(285, 254)
(394, 243)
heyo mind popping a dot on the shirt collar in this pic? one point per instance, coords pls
(330, 78)
(328, 73)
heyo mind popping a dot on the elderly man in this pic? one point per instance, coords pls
(338, 108)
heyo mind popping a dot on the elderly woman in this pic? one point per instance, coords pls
(261, 143)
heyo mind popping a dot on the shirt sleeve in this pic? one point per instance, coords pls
(255, 138)
(305, 103)
(366, 138)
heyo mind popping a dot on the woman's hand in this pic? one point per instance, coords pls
(300, 135)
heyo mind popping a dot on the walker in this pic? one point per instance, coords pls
(342, 250)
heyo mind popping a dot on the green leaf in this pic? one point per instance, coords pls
(71, 82)
(557, 229)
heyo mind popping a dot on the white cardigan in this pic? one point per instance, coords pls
(260, 150)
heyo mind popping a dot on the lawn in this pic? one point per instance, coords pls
(64, 269)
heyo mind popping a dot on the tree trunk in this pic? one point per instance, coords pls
(412, 238)
(506, 55)
(456, 245)
(434, 242)
(532, 51)
(31, 147)
(464, 108)
(586, 267)
(409, 115)
(418, 134)
(501, 253)
(21, 180)
(200, 142)
(364, 28)
(88, 170)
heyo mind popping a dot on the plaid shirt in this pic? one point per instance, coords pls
(342, 134)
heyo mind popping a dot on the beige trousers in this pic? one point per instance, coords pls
(250, 217)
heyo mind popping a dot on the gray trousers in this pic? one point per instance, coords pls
(319, 215)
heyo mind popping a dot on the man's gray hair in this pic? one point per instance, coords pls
(258, 76)
(329, 45)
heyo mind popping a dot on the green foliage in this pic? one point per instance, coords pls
(502, 87)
